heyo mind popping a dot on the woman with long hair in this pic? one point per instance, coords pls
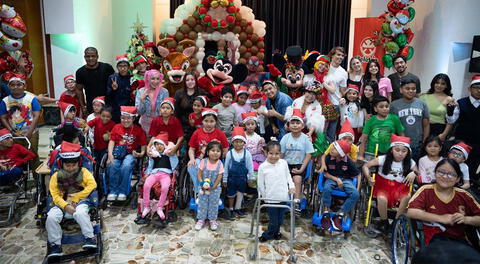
(355, 71)
(372, 73)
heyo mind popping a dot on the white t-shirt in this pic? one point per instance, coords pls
(396, 171)
(338, 76)
(261, 118)
(91, 132)
(426, 169)
(465, 172)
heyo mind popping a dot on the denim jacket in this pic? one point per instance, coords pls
(145, 107)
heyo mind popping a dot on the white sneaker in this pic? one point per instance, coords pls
(220, 202)
(213, 225)
(111, 197)
(199, 224)
(122, 197)
(145, 212)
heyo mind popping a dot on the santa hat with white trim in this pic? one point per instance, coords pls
(352, 87)
(242, 90)
(475, 80)
(128, 111)
(342, 146)
(239, 133)
(296, 115)
(139, 59)
(65, 107)
(4, 134)
(16, 77)
(69, 150)
(100, 99)
(122, 58)
(170, 101)
(399, 141)
(464, 148)
(161, 138)
(204, 100)
(68, 77)
(346, 130)
(209, 111)
(255, 97)
(249, 116)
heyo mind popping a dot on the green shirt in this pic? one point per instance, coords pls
(437, 110)
(379, 132)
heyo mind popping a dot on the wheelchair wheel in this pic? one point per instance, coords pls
(402, 244)
(183, 188)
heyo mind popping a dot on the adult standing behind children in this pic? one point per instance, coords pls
(118, 88)
(400, 66)
(413, 114)
(92, 78)
(277, 103)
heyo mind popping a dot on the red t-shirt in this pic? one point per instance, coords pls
(200, 139)
(462, 202)
(100, 128)
(173, 128)
(69, 99)
(197, 120)
(16, 155)
(133, 137)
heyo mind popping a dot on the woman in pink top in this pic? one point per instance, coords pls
(372, 72)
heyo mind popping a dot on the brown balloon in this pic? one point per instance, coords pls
(198, 28)
(196, 15)
(179, 48)
(260, 68)
(243, 23)
(242, 37)
(254, 50)
(242, 60)
(254, 38)
(185, 28)
(191, 21)
(237, 29)
(261, 56)
(192, 35)
(223, 30)
(179, 36)
(193, 61)
(210, 30)
(249, 29)
(248, 43)
(172, 44)
(238, 17)
(261, 44)
(247, 55)
(242, 49)
(221, 43)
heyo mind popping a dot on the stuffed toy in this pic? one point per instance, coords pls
(220, 72)
(206, 184)
(175, 64)
(254, 77)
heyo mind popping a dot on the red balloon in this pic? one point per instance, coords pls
(205, 2)
(223, 23)
(230, 19)
(207, 18)
(260, 39)
(202, 10)
(231, 9)
(214, 23)
(249, 22)
(184, 21)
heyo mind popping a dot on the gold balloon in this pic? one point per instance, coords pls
(249, 29)
(210, 30)
(185, 28)
(192, 35)
(261, 56)
(196, 15)
(193, 61)
(223, 30)
(254, 50)
(243, 23)
(191, 21)
(261, 44)
(242, 60)
(242, 37)
(238, 17)
(237, 29)
(221, 43)
(198, 28)
(171, 44)
(247, 55)
(260, 68)
(254, 38)
(242, 49)
(179, 36)
(248, 43)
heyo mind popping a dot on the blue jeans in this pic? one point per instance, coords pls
(193, 174)
(276, 216)
(119, 173)
(9, 177)
(332, 128)
(348, 188)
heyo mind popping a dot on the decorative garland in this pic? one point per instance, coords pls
(229, 6)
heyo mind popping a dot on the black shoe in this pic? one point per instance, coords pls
(90, 243)
(239, 212)
(262, 239)
(230, 214)
(278, 236)
(54, 251)
(384, 227)
(142, 221)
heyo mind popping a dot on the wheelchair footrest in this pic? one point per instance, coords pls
(346, 225)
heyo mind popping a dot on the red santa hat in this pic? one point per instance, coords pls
(242, 90)
(65, 107)
(464, 148)
(4, 134)
(346, 130)
(68, 77)
(162, 138)
(255, 97)
(100, 99)
(139, 59)
(475, 80)
(209, 111)
(249, 116)
(296, 115)
(170, 101)
(399, 141)
(239, 133)
(342, 146)
(16, 77)
(203, 99)
(128, 110)
(122, 58)
(69, 150)
(352, 87)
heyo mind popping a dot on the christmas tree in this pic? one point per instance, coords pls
(137, 41)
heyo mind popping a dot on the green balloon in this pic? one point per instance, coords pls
(386, 30)
(401, 40)
(387, 60)
(411, 12)
(410, 53)
(392, 47)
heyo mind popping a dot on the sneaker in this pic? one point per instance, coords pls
(229, 214)
(262, 239)
(54, 251)
(239, 212)
(122, 197)
(199, 224)
(337, 221)
(325, 221)
(384, 226)
(111, 197)
(90, 243)
(141, 220)
(278, 236)
(213, 225)
(145, 212)
(160, 213)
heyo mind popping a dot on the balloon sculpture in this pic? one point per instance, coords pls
(395, 34)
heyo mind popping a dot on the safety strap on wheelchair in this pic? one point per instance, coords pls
(435, 224)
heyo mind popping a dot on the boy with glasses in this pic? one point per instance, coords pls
(459, 153)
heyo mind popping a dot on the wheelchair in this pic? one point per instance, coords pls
(170, 202)
(309, 191)
(57, 133)
(337, 197)
(12, 194)
(72, 235)
(184, 189)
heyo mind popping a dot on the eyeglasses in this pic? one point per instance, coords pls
(456, 154)
(446, 174)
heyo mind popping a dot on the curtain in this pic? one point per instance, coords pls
(173, 5)
(313, 24)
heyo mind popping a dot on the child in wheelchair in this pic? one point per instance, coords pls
(340, 172)
(71, 123)
(70, 188)
(12, 157)
(397, 171)
(160, 169)
(445, 209)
